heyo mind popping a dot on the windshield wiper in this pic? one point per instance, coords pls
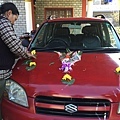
(85, 50)
(108, 50)
(48, 49)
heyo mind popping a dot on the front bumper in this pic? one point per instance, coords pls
(12, 111)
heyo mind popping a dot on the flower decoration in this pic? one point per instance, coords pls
(66, 65)
(67, 79)
(68, 59)
(117, 70)
(30, 63)
(33, 52)
(31, 66)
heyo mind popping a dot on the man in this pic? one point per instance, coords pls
(10, 45)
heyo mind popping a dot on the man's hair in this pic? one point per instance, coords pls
(8, 6)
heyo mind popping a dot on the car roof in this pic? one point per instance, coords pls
(77, 19)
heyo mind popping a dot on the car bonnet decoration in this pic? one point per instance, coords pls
(67, 79)
(117, 70)
(31, 64)
(68, 60)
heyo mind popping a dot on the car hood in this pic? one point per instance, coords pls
(94, 76)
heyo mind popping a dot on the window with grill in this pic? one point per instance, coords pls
(58, 12)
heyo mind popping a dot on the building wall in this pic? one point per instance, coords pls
(99, 8)
(113, 17)
(111, 11)
(42, 4)
(20, 24)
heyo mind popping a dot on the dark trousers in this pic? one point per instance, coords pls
(2, 88)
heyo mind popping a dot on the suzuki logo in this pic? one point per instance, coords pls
(71, 108)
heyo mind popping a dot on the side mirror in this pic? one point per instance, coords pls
(25, 42)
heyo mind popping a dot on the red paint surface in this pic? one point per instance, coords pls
(94, 78)
(93, 73)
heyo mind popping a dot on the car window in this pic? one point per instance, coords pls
(39, 39)
(113, 38)
(76, 27)
(76, 35)
(109, 36)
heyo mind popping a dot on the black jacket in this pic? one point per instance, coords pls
(7, 58)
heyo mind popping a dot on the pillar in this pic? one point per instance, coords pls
(83, 8)
(90, 8)
(28, 9)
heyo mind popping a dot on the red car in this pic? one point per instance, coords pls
(75, 76)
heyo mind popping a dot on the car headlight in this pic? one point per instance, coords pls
(16, 93)
(118, 108)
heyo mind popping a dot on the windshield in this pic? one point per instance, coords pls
(76, 35)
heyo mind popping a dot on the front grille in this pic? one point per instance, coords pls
(89, 108)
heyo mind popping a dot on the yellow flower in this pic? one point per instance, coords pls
(33, 52)
(67, 77)
(32, 64)
(118, 69)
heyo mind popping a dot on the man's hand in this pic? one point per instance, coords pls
(30, 55)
